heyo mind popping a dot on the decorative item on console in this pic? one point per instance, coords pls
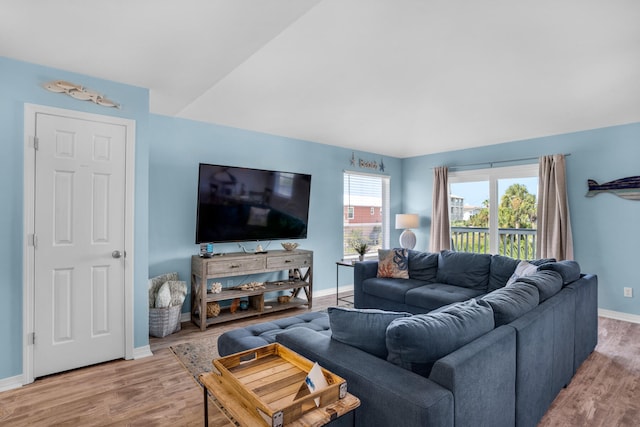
(289, 246)
(216, 287)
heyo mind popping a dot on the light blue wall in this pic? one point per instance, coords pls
(22, 83)
(168, 150)
(606, 228)
(178, 146)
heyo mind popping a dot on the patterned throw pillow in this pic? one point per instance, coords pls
(393, 263)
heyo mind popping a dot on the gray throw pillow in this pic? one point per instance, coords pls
(417, 342)
(362, 328)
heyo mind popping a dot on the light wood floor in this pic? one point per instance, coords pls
(158, 391)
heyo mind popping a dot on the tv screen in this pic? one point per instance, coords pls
(240, 204)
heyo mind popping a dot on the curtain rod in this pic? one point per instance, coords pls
(499, 161)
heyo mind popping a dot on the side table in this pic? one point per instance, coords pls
(339, 264)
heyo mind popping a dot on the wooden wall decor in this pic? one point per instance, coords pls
(79, 92)
(367, 164)
(627, 188)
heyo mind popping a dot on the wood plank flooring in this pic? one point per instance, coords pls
(157, 391)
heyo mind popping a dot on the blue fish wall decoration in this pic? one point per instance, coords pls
(627, 188)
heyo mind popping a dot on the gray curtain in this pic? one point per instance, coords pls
(440, 231)
(554, 226)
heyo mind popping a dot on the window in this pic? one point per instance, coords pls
(364, 194)
(494, 210)
(284, 184)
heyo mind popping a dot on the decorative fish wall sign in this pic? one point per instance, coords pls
(627, 188)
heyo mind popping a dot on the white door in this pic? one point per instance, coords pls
(79, 224)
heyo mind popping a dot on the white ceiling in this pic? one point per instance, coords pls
(395, 77)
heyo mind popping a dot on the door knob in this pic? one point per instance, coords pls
(116, 254)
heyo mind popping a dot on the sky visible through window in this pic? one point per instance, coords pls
(474, 193)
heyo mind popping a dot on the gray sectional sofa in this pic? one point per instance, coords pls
(452, 344)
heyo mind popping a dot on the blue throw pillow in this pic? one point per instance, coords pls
(417, 342)
(423, 266)
(569, 270)
(362, 328)
(548, 282)
(511, 302)
(464, 269)
(502, 268)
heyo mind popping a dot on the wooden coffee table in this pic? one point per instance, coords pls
(266, 386)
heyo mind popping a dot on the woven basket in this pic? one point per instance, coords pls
(164, 321)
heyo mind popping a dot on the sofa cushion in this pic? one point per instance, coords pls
(391, 289)
(501, 269)
(548, 282)
(393, 263)
(511, 302)
(260, 334)
(417, 342)
(435, 295)
(423, 266)
(464, 269)
(364, 329)
(569, 270)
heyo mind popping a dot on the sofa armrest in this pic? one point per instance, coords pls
(362, 271)
(482, 377)
(388, 394)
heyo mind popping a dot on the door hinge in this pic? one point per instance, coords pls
(36, 143)
(33, 240)
(32, 338)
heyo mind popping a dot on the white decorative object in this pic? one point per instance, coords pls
(163, 299)
(79, 92)
(407, 221)
(216, 287)
(178, 290)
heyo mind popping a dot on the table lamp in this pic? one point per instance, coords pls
(406, 222)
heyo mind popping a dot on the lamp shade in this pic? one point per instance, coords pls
(404, 221)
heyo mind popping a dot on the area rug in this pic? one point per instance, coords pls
(197, 355)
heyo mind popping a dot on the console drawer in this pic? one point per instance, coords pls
(235, 265)
(289, 261)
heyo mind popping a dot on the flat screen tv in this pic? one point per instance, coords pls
(240, 204)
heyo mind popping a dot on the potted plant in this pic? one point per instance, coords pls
(361, 247)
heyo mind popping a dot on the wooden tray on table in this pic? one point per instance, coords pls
(269, 382)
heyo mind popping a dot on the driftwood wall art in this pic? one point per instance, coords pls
(79, 92)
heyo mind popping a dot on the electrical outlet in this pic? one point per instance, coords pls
(628, 292)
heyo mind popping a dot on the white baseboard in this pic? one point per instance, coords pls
(141, 352)
(332, 291)
(10, 383)
(185, 317)
(626, 317)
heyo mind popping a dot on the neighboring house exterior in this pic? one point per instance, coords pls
(456, 205)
